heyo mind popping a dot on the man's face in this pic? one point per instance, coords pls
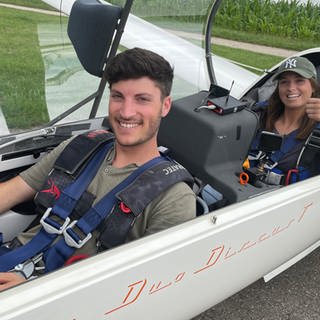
(135, 111)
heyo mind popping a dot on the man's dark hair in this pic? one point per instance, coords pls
(137, 63)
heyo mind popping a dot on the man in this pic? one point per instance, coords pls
(140, 83)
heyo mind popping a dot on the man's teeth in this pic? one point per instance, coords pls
(128, 125)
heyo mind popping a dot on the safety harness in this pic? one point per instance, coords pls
(70, 218)
(306, 166)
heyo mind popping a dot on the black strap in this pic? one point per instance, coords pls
(80, 149)
(151, 183)
(135, 197)
(67, 167)
(310, 154)
(115, 228)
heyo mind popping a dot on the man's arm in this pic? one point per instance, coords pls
(14, 191)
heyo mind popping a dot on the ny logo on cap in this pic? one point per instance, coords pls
(291, 63)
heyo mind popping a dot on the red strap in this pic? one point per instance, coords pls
(76, 258)
(288, 177)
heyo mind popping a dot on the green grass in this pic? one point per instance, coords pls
(237, 35)
(29, 3)
(22, 96)
(265, 39)
(249, 58)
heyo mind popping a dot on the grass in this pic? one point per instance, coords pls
(249, 58)
(29, 3)
(264, 39)
(237, 35)
(22, 96)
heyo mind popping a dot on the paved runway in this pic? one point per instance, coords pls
(293, 295)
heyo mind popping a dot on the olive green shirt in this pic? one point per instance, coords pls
(171, 207)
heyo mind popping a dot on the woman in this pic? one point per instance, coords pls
(293, 112)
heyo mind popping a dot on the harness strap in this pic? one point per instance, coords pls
(287, 146)
(289, 176)
(161, 177)
(54, 227)
(77, 233)
(135, 198)
(81, 148)
(116, 227)
(310, 149)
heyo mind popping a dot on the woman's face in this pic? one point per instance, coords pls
(294, 90)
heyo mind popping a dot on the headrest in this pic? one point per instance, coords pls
(91, 29)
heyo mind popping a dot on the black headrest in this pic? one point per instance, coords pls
(91, 28)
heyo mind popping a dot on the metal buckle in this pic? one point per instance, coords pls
(50, 228)
(313, 142)
(273, 178)
(70, 241)
(28, 267)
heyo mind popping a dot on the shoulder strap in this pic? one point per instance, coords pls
(135, 198)
(311, 149)
(151, 183)
(55, 219)
(80, 149)
(77, 233)
(307, 164)
(68, 166)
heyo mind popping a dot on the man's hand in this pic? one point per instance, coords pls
(10, 279)
(313, 108)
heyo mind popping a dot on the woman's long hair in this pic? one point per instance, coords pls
(276, 108)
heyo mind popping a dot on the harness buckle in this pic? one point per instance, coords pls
(52, 226)
(274, 178)
(28, 267)
(70, 236)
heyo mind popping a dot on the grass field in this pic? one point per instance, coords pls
(238, 35)
(29, 3)
(21, 68)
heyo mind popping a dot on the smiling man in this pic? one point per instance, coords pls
(140, 83)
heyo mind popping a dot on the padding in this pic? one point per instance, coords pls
(91, 29)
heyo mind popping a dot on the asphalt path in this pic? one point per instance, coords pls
(292, 295)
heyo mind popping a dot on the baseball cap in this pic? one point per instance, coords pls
(299, 65)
